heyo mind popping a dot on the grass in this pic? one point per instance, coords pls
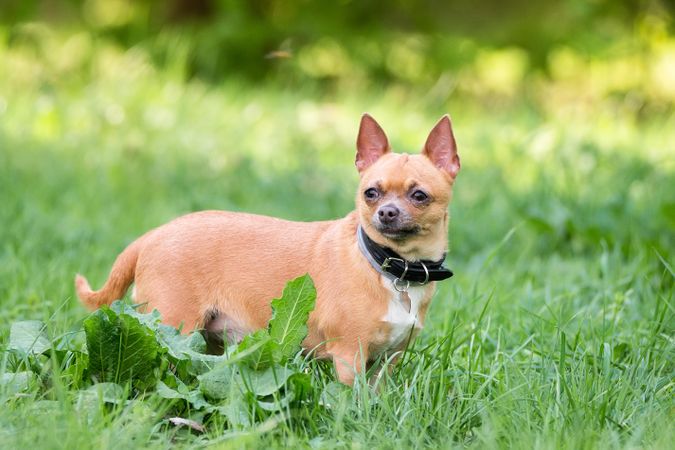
(556, 332)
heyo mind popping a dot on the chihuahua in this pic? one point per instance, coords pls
(374, 270)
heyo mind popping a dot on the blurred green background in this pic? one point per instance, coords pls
(480, 49)
(117, 115)
(256, 104)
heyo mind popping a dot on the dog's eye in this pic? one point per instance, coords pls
(419, 196)
(371, 193)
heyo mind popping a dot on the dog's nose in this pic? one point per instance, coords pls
(388, 213)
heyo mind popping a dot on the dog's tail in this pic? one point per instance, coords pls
(121, 276)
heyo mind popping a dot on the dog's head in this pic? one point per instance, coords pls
(403, 199)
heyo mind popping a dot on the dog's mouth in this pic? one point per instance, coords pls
(397, 233)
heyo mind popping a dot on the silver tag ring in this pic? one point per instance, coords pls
(401, 289)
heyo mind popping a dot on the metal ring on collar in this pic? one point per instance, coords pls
(426, 273)
(401, 289)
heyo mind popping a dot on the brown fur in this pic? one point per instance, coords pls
(235, 263)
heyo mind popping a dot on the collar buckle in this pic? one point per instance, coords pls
(394, 267)
(387, 262)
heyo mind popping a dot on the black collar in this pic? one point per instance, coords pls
(388, 261)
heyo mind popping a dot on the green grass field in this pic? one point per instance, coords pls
(557, 330)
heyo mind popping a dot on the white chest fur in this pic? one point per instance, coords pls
(402, 323)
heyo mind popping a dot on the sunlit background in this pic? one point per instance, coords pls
(118, 115)
(571, 51)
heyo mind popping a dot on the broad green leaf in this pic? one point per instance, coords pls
(48, 408)
(216, 383)
(28, 336)
(236, 409)
(333, 394)
(194, 396)
(201, 363)
(277, 404)
(288, 326)
(151, 319)
(90, 404)
(180, 346)
(266, 382)
(165, 391)
(121, 348)
(296, 387)
(257, 350)
(13, 383)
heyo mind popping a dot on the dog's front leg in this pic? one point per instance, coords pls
(349, 361)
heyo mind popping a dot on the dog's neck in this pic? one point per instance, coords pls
(431, 244)
(397, 268)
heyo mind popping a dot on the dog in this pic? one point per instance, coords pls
(375, 270)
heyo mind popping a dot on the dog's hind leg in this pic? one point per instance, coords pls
(221, 330)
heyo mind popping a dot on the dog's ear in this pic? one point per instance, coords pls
(441, 147)
(370, 144)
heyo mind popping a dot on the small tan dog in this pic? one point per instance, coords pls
(374, 270)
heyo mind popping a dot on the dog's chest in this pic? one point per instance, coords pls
(399, 324)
